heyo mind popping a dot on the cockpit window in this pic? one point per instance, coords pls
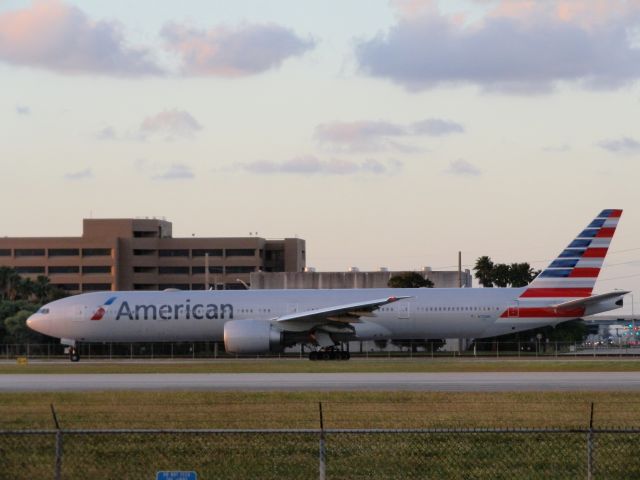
(43, 311)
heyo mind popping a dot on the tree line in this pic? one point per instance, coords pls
(490, 274)
(20, 297)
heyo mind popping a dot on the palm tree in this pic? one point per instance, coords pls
(521, 274)
(5, 274)
(26, 289)
(42, 289)
(12, 287)
(484, 271)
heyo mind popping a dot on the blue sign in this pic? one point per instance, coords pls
(176, 475)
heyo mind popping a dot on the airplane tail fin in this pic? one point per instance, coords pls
(574, 272)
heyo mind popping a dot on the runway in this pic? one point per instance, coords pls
(427, 382)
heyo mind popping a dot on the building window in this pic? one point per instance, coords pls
(179, 286)
(29, 252)
(144, 286)
(29, 270)
(95, 269)
(96, 252)
(197, 286)
(145, 234)
(173, 270)
(144, 269)
(241, 252)
(200, 270)
(69, 269)
(234, 286)
(238, 269)
(200, 252)
(143, 252)
(5, 252)
(64, 252)
(173, 253)
(94, 287)
(67, 286)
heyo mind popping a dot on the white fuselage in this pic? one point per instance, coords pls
(200, 315)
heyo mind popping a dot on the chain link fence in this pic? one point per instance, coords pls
(405, 349)
(325, 454)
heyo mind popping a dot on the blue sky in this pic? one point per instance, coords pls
(385, 133)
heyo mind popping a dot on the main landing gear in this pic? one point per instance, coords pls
(329, 354)
(74, 355)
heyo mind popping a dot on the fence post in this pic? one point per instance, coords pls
(590, 446)
(58, 465)
(322, 453)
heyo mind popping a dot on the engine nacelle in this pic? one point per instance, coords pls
(252, 337)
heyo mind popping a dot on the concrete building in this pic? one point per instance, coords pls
(141, 254)
(351, 279)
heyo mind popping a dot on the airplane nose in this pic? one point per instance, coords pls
(38, 323)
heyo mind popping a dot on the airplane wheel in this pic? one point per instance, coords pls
(345, 355)
(323, 356)
(74, 356)
(333, 355)
(313, 356)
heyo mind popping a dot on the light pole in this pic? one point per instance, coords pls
(633, 320)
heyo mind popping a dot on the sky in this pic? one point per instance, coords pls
(385, 133)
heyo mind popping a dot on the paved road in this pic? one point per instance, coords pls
(439, 382)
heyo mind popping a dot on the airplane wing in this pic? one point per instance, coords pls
(347, 313)
(589, 301)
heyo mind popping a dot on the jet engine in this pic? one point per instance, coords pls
(252, 337)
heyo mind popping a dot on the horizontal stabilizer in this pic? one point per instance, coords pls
(589, 301)
(354, 310)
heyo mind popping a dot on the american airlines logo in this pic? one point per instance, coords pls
(175, 311)
(99, 313)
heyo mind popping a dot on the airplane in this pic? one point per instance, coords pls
(252, 322)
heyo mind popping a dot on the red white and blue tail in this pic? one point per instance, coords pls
(574, 273)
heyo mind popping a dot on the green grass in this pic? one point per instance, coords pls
(121, 409)
(305, 366)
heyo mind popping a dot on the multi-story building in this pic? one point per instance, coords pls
(354, 279)
(141, 254)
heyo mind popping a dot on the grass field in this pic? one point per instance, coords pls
(305, 366)
(295, 455)
(300, 410)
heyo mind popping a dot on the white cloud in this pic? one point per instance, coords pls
(176, 171)
(233, 52)
(436, 127)
(462, 168)
(56, 36)
(310, 165)
(170, 123)
(519, 47)
(85, 174)
(624, 145)
(376, 135)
